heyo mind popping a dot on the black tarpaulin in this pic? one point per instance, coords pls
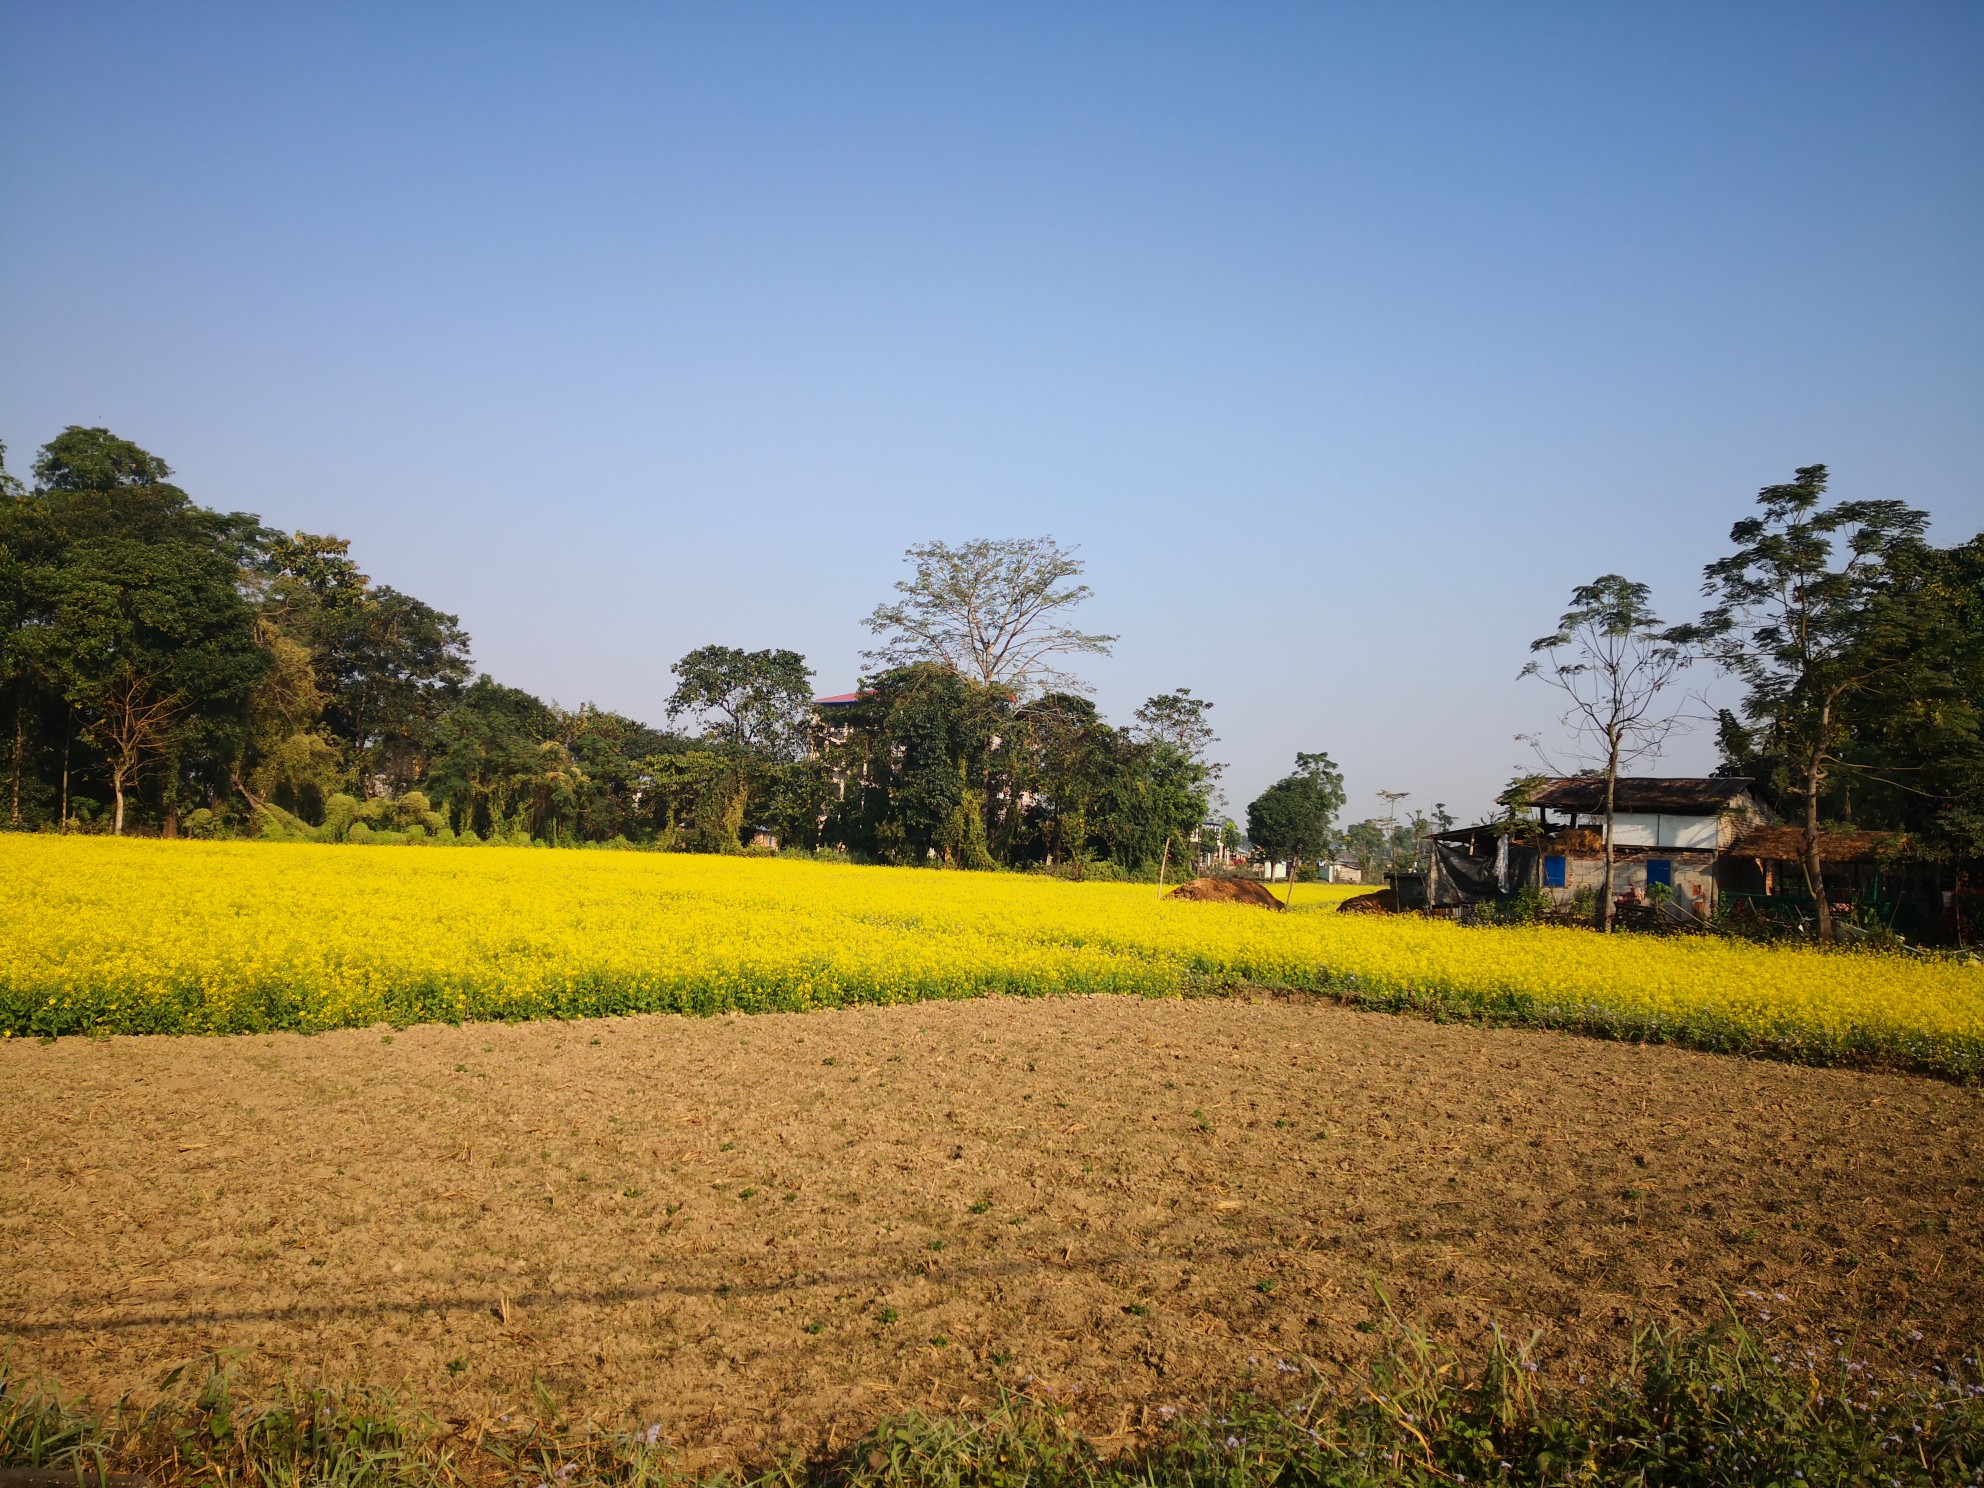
(1462, 878)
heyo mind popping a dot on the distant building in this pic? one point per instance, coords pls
(1691, 840)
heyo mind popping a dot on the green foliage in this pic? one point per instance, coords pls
(1719, 1407)
(1294, 819)
(196, 671)
(757, 701)
(1524, 907)
(1802, 615)
(918, 738)
(701, 796)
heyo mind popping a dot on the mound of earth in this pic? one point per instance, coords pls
(1227, 891)
(1385, 901)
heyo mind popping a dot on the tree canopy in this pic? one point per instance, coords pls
(165, 667)
(1294, 819)
(994, 611)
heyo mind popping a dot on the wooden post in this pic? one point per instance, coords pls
(1162, 864)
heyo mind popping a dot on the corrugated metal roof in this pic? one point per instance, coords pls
(838, 700)
(1787, 845)
(1675, 795)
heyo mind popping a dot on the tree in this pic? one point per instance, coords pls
(80, 459)
(1613, 658)
(489, 762)
(133, 719)
(992, 611)
(18, 673)
(1293, 819)
(753, 700)
(136, 611)
(1178, 720)
(1917, 727)
(391, 662)
(910, 757)
(1796, 626)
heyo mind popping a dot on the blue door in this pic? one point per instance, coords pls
(1659, 871)
(1553, 871)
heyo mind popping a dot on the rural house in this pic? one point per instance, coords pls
(1667, 832)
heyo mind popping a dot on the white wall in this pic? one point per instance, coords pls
(1644, 829)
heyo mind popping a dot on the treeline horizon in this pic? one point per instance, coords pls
(170, 669)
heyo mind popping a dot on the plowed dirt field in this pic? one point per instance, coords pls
(775, 1229)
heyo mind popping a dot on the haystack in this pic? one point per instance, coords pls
(1385, 901)
(1227, 891)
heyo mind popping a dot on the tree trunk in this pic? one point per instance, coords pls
(1605, 904)
(1815, 878)
(67, 733)
(117, 790)
(14, 812)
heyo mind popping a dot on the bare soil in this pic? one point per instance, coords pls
(775, 1229)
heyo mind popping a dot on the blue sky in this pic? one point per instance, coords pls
(1343, 340)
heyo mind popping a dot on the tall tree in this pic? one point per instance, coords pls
(753, 700)
(1613, 658)
(1792, 617)
(140, 620)
(1178, 720)
(1917, 756)
(393, 663)
(993, 611)
(1294, 819)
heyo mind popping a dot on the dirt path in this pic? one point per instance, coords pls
(777, 1228)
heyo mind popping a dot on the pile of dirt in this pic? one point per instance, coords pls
(1384, 901)
(1227, 891)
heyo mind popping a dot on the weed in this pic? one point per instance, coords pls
(814, 1327)
(982, 1206)
(632, 1193)
(457, 1366)
(1264, 1285)
(1136, 1309)
(1716, 1409)
(888, 1315)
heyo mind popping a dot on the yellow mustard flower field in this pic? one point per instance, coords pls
(108, 936)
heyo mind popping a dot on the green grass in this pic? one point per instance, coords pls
(1720, 1407)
